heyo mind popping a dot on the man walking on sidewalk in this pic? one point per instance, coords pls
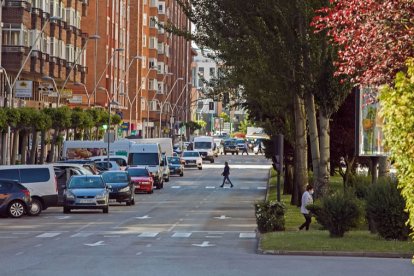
(226, 174)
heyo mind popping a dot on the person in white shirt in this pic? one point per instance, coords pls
(306, 200)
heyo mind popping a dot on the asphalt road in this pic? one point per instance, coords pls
(191, 227)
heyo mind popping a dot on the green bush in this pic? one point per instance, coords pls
(270, 216)
(385, 209)
(337, 213)
(360, 185)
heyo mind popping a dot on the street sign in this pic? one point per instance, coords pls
(24, 89)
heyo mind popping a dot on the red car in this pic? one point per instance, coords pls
(142, 179)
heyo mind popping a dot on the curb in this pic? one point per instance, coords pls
(324, 253)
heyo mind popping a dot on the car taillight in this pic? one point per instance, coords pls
(26, 193)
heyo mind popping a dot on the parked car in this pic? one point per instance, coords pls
(240, 144)
(177, 149)
(86, 192)
(40, 180)
(230, 146)
(192, 158)
(122, 189)
(103, 166)
(142, 179)
(166, 169)
(15, 199)
(119, 159)
(176, 168)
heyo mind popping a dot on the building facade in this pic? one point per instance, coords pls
(42, 51)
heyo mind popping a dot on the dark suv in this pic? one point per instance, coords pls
(15, 199)
(230, 146)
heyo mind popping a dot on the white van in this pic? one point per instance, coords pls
(148, 155)
(87, 149)
(40, 180)
(165, 144)
(205, 146)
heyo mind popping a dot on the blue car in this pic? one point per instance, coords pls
(15, 199)
(86, 192)
(122, 188)
(176, 167)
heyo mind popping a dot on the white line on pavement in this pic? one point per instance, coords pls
(251, 235)
(181, 235)
(48, 235)
(148, 235)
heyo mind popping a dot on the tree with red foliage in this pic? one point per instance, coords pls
(375, 37)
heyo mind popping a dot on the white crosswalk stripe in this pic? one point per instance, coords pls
(181, 235)
(48, 235)
(251, 235)
(148, 235)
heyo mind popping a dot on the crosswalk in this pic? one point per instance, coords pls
(138, 235)
(210, 187)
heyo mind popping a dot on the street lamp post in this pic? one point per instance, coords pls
(47, 78)
(163, 103)
(104, 71)
(93, 37)
(86, 92)
(32, 48)
(111, 102)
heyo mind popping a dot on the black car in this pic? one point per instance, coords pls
(176, 168)
(122, 188)
(230, 146)
(15, 199)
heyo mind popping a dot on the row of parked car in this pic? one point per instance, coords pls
(76, 184)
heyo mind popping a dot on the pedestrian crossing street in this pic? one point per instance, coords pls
(211, 187)
(119, 234)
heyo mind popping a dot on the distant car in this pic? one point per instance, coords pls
(103, 166)
(177, 149)
(166, 169)
(121, 160)
(86, 192)
(230, 146)
(176, 168)
(122, 189)
(142, 179)
(240, 144)
(191, 158)
(15, 199)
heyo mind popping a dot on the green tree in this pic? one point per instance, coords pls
(13, 119)
(27, 118)
(42, 123)
(398, 111)
(61, 121)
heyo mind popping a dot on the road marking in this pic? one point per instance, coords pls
(148, 245)
(38, 245)
(210, 187)
(204, 244)
(48, 235)
(139, 253)
(63, 217)
(222, 217)
(83, 227)
(261, 188)
(250, 235)
(175, 187)
(82, 235)
(99, 243)
(19, 253)
(8, 237)
(148, 235)
(181, 235)
(144, 217)
(214, 237)
(112, 236)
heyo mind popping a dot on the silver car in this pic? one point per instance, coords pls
(86, 192)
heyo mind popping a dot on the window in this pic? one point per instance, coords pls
(161, 8)
(153, 43)
(160, 48)
(153, 105)
(70, 53)
(160, 88)
(143, 104)
(144, 62)
(34, 175)
(143, 83)
(212, 72)
(12, 174)
(153, 22)
(153, 84)
(153, 3)
(144, 19)
(161, 29)
(152, 63)
(160, 69)
(201, 71)
(144, 41)
(15, 35)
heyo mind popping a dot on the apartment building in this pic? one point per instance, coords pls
(42, 51)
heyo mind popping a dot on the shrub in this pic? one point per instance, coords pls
(337, 213)
(360, 185)
(270, 216)
(385, 208)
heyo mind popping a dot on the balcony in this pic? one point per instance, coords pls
(27, 5)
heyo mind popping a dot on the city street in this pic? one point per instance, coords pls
(191, 227)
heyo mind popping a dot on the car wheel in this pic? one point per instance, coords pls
(151, 192)
(15, 209)
(225, 153)
(36, 207)
(237, 153)
(181, 174)
(128, 203)
(66, 210)
(200, 168)
(232, 153)
(105, 210)
(133, 200)
(168, 179)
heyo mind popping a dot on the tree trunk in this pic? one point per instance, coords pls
(53, 146)
(301, 147)
(322, 183)
(313, 134)
(42, 146)
(23, 146)
(14, 148)
(288, 180)
(33, 153)
(383, 169)
(4, 148)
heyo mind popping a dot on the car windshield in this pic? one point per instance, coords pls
(191, 154)
(174, 160)
(147, 159)
(86, 183)
(240, 141)
(202, 145)
(115, 177)
(138, 172)
(229, 143)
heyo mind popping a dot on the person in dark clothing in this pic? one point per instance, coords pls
(226, 174)
(260, 148)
